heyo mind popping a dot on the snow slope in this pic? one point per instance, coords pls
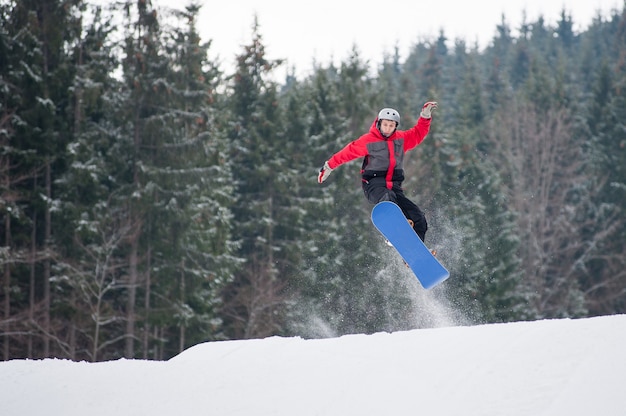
(550, 367)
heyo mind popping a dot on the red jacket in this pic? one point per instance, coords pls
(383, 156)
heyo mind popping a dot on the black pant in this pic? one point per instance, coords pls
(376, 191)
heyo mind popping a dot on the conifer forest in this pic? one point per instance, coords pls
(150, 201)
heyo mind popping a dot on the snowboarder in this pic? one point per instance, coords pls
(383, 149)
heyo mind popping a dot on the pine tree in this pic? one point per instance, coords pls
(175, 187)
(255, 299)
(38, 77)
(186, 251)
(477, 217)
(94, 229)
(603, 270)
(196, 179)
(358, 300)
(350, 278)
(320, 283)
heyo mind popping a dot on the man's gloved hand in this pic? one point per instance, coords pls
(428, 108)
(324, 172)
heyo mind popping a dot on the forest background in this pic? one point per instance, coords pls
(150, 201)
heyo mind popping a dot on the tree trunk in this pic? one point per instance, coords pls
(181, 341)
(146, 330)
(31, 291)
(6, 285)
(132, 294)
(46, 264)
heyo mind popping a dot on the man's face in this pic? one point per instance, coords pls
(387, 127)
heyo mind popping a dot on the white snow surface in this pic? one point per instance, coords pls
(548, 367)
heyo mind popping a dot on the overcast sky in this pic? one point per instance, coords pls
(323, 30)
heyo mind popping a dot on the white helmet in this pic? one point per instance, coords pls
(389, 114)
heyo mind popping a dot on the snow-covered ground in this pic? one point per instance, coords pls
(550, 367)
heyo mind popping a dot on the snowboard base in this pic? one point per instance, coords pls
(388, 218)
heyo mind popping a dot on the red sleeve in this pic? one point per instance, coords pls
(353, 150)
(416, 134)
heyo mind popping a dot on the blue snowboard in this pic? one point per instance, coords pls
(393, 225)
